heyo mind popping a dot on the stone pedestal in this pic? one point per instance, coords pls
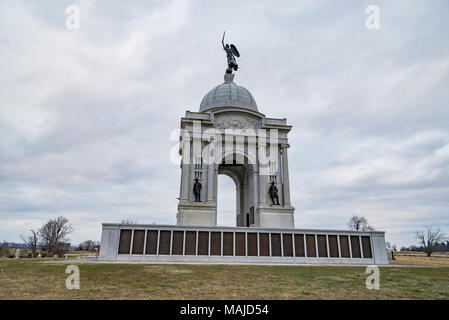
(276, 216)
(196, 214)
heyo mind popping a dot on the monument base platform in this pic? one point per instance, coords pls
(196, 214)
(169, 243)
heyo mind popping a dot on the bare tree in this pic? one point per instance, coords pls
(4, 251)
(359, 224)
(429, 238)
(54, 232)
(87, 245)
(31, 241)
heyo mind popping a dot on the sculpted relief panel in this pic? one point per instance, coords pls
(235, 121)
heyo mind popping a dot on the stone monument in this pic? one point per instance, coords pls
(229, 135)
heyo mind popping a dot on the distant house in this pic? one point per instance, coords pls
(64, 246)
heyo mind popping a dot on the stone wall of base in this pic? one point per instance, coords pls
(167, 243)
(276, 217)
(196, 215)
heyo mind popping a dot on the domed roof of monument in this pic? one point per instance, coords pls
(228, 94)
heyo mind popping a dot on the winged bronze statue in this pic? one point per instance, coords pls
(231, 53)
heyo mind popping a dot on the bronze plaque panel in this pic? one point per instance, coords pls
(228, 244)
(240, 244)
(333, 246)
(164, 242)
(355, 246)
(299, 245)
(203, 243)
(275, 245)
(125, 241)
(322, 246)
(310, 243)
(366, 246)
(138, 240)
(215, 243)
(178, 241)
(287, 245)
(264, 242)
(190, 243)
(252, 244)
(151, 242)
(344, 247)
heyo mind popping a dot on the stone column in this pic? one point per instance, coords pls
(210, 174)
(185, 167)
(263, 171)
(262, 188)
(286, 182)
(256, 188)
(185, 182)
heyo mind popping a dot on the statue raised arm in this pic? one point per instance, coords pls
(231, 53)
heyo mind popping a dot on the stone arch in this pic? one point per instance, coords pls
(237, 183)
(243, 174)
(239, 154)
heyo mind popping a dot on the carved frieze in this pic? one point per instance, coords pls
(242, 123)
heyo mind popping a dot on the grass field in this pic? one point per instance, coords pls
(414, 258)
(43, 279)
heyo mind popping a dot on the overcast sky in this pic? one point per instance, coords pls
(86, 115)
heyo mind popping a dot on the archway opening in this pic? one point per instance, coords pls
(226, 201)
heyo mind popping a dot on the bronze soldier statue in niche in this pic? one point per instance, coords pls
(197, 190)
(273, 191)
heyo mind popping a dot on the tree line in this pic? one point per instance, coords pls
(430, 239)
(439, 247)
(49, 237)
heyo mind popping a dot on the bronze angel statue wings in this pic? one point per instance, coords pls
(231, 53)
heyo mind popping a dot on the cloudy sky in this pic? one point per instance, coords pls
(86, 115)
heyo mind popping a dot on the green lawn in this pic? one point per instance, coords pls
(40, 279)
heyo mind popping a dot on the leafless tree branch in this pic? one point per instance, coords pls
(429, 237)
(359, 224)
(32, 241)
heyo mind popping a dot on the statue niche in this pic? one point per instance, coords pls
(273, 192)
(197, 190)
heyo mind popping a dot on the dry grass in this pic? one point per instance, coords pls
(418, 258)
(39, 279)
